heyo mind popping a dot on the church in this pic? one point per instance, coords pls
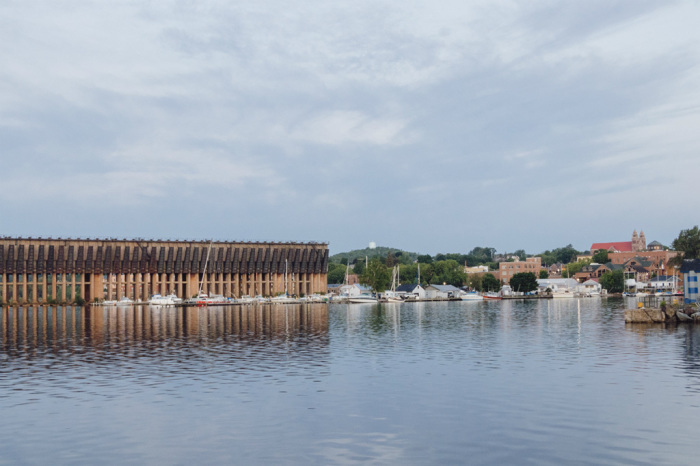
(638, 244)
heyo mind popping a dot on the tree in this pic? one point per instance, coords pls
(600, 256)
(448, 271)
(544, 274)
(376, 275)
(573, 268)
(566, 254)
(475, 281)
(336, 273)
(524, 282)
(613, 281)
(408, 273)
(688, 242)
(521, 254)
(424, 259)
(359, 266)
(490, 283)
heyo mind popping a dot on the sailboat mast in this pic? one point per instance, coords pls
(206, 262)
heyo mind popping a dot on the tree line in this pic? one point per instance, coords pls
(373, 266)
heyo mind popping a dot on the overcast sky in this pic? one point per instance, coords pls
(427, 126)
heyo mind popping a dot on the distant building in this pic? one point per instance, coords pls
(476, 269)
(441, 291)
(411, 290)
(638, 243)
(506, 270)
(655, 246)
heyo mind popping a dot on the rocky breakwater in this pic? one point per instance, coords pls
(664, 314)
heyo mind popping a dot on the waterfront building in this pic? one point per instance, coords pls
(62, 270)
(411, 290)
(506, 270)
(690, 269)
(441, 291)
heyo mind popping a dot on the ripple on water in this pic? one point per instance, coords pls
(424, 383)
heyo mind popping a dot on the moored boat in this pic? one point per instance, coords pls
(363, 298)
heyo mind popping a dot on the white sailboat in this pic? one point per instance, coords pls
(284, 298)
(202, 299)
(391, 295)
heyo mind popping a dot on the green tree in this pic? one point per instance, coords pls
(521, 254)
(480, 255)
(79, 300)
(359, 266)
(600, 256)
(427, 274)
(688, 242)
(524, 282)
(336, 273)
(408, 273)
(544, 274)
(376, 275)
(613, 281)
(490, 283)
(425, 259)
(566, 254)
(449, 271)
(572, 269)
(475, 280)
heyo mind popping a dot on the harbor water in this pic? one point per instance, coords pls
(497, 382)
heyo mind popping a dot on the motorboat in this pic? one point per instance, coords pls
(562, 294)
(283, 299)
(471, 297)
(245, 299)
(125, 302)
(160, 300)
(492, 295)
(363, 298)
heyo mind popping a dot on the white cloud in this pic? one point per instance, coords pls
(343, 127)
(137, 103)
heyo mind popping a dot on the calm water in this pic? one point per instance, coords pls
(538, 382)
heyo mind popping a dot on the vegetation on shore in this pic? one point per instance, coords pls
(373, 265)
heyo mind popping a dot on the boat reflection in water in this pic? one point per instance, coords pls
(98, 326)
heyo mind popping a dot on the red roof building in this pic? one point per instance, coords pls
(638, 243)
(622, 246)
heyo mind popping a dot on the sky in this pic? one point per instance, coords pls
(430, 127)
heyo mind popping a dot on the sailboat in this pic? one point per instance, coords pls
(391, 295)
(283, 298)
(203, 299)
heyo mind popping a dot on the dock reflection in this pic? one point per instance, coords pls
(96, 326)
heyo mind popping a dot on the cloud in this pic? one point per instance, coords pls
(264, 108)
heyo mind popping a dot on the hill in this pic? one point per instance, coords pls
(379, 251)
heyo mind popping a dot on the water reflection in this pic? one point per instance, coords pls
(545, 382)
(60, 328)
